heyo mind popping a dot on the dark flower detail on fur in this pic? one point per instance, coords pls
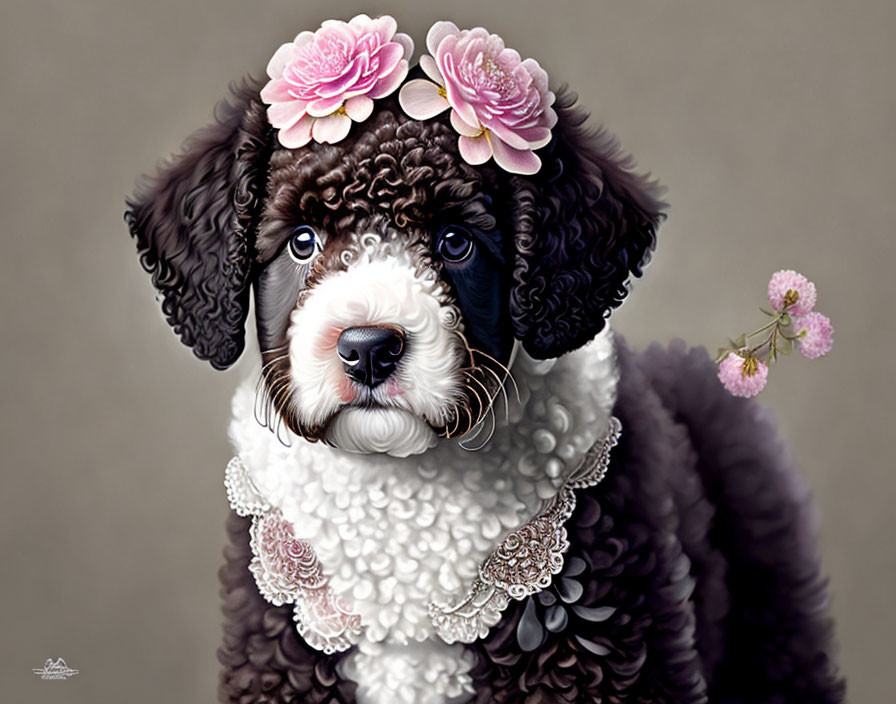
(559, 608)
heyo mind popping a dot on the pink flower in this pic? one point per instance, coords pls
(790, 289)
(323, 80)
(816, 334)
(742, 376)
(500, 104)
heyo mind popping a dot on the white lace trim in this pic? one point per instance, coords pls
(526, 560)
(287, 570)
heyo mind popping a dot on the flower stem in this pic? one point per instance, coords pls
(765, 327)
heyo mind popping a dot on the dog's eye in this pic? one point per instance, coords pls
(455, 244)
(303, 244)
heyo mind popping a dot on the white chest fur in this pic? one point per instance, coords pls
(396, 534)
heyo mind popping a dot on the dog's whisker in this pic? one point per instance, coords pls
(501, 389)
(457, 415)
(465, 413)
(279, 385)
(262, 405)
(266, 389)
(279, 350)
(281, 390)
(491, 397)
(271, 362)
(482, 406)
(488, 437)
(467, 347)
(506, 371)
(477, 425)
(280, 424)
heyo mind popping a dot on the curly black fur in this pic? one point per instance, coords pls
(583, 225)
(193, 224)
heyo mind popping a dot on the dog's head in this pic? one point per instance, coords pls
(392, 279)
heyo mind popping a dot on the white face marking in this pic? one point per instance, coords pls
(384, 284)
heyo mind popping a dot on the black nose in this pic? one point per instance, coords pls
(370, 354)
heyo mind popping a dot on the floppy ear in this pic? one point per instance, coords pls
(583, 224)
(194, 222)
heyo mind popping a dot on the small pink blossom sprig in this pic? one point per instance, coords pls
(743, 367)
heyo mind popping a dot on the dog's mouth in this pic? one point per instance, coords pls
(375, 428)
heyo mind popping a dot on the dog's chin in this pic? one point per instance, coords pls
(390, 431)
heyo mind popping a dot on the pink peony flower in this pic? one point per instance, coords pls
(816, 334)
(789, 288)
(743, 377)
(323, 80)
(500, 104)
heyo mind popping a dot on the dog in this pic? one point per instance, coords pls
(453, 482)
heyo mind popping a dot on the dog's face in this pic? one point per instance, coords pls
(392, 280)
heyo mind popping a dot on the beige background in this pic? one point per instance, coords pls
(771, 124)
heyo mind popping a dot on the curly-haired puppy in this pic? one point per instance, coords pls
(416, 523)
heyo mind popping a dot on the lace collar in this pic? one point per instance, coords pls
(288, 571)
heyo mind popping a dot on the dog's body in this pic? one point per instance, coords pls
(397, 540)
(399, 534)
(702, 581)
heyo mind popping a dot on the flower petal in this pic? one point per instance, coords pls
(421, 100)
(406, 42)
(537, 137)
(325, 106)
(284, 115)
(474, 150)
(454, 93)
(336, 86)
(529, 631)
(303, 38)
(539, 75)
(331, 129)
(431, 69)
(279, 60)
(383, 27)
(359, 108)
(556, 619)
(388, 84)
(594, 614)
(384, 23)
(437, 33)
(516, 161)
(298, 135)
(507, 135)
(592, 647)
(389, 55)
(361, 19)
(276, 91)
(462, 127)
